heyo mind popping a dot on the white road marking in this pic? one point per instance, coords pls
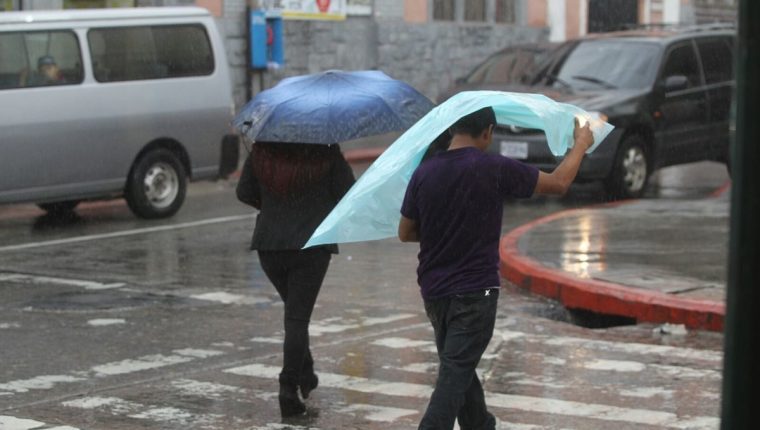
(13, 423)
(113, 404)
(401, 343)
(505, 401)
(275, 340)
(630, 348)
(44, 382)
(117, 406)
(6, 326)
(198, 353)
(121, 367)
(191, 387)
(424, 368)
(231, 299)
(615, 365)
(647, 392)
(100, 322)
(50, 280)
(318, 328)
(125, 233)
(136, 365)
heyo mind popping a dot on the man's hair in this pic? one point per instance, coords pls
(475, 123)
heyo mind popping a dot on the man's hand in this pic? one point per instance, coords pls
(583, 136)
(558, 182)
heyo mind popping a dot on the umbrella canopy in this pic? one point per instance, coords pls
(370, 209)
(331, 107)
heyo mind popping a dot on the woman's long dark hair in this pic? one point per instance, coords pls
(288, 168)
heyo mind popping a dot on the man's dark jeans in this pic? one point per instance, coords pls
(463, 327)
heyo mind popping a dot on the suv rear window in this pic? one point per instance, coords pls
(717, 59)
(150, 52)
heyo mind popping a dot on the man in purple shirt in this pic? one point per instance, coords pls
(453, 208)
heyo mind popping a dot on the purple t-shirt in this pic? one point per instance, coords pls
(457, 199)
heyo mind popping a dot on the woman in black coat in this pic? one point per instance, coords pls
(294, 186)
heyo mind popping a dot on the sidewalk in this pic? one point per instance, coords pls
(656, 260)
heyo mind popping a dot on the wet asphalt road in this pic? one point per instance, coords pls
(110, 322)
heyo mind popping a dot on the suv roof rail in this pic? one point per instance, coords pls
(681, 28)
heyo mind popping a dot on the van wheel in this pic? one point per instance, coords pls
(630, 173)
(157, 185)
(59, 207)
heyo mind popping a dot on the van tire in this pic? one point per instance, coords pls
(156, 185)
(59, 207)
(630, 173)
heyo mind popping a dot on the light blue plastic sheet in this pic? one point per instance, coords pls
(370, 209)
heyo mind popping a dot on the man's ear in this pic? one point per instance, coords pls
(487, 133)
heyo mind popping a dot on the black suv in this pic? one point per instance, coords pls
(667, 92)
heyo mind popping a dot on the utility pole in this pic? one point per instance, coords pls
(741, 371)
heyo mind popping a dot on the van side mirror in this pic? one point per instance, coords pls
(675, 83)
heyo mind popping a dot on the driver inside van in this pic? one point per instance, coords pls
(48, 73)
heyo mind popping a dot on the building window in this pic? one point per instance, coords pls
(505, 11)
(475, 10)
(443, 10)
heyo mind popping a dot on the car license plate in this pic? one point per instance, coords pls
(516, 150)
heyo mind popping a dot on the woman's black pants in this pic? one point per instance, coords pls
(297, 275)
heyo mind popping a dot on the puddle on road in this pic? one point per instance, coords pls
(94, 301)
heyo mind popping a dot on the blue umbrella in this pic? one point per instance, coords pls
(331, 107)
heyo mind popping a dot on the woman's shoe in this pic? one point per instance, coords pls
(307, 383)
(290, 404)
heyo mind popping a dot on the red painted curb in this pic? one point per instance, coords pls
(721, 190)
(600, 296)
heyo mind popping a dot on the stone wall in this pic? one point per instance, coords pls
(429, 56)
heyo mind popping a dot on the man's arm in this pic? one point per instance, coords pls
(407, 230)
(560, 179)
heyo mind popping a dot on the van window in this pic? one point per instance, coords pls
(39, 58)
(717, 59)
(150, 52)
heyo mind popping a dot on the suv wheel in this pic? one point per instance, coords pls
(630, 173)
(157, 185)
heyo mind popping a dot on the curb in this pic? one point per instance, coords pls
(601, 296)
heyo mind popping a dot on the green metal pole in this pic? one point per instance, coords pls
(741, 367)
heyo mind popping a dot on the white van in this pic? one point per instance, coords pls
(116, 102)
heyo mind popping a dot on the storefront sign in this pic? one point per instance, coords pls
(331, 10)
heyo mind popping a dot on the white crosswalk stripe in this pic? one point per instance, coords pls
(396, 395)
(505, 401)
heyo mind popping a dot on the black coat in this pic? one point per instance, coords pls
(287, 222)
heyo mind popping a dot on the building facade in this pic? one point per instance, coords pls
(428, 43)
